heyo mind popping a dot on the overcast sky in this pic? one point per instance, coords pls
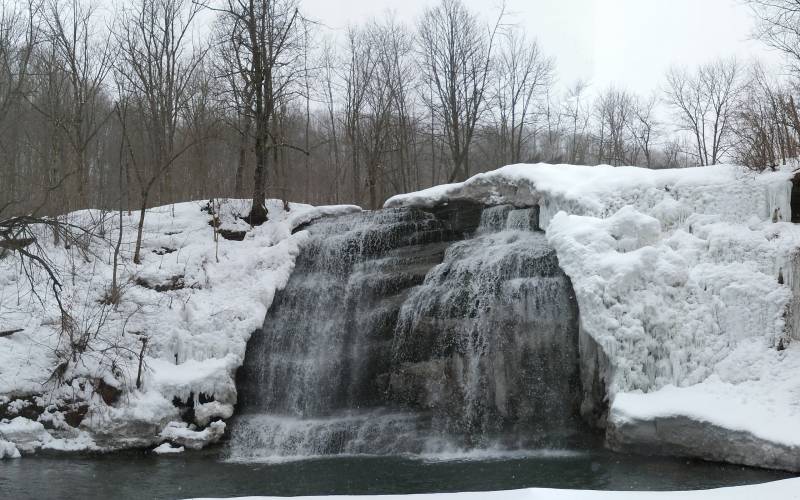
(627, 42)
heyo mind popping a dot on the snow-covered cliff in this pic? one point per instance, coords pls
(686, 279)
(196, 302)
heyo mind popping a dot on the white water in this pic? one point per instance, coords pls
(391, 339)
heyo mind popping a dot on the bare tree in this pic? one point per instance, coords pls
(18, 37)
(329, 80)
(267, 41)
(704, 101)
(614, 110)
(85, 58)
(764, 128)
(523, 76)
(236, 95)
(378, 119)
(778, 25)
(400, 71)
(456, 54)
(360, 68)
(642, 127)
(156, 69)
(574, 109)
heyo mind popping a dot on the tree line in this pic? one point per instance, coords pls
(149, 102)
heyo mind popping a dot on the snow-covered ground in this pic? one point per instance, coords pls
(685, 278)
(788, 489)
(195, 302)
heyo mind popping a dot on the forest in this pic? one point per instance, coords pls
(149, 102)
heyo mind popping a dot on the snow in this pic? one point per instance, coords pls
(26, 434)
(168, 449)
(210, 298)
(685, 278)
(205, 412)
(788, 489)
(602, 190)
(8, 450)
(180, 433)
(732, 406)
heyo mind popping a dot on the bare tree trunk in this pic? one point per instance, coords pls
(137, 259)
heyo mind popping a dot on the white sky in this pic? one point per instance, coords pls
(629, 43)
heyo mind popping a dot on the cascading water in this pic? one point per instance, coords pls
(408, 331)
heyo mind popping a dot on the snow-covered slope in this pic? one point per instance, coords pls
(685, 278)
(195, 302)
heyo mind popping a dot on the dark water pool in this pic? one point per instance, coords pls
(140, 476)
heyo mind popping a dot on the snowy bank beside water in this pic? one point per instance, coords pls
(195, 302)
(788, 489)
(688, 281)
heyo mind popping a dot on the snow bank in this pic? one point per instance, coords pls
(686, 278)
(776, 490)
(168, 449)
(602, 190)
(26, 434)
(184, 436)
(8, 450)
(195, 302)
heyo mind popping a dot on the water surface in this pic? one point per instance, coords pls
(141, 476)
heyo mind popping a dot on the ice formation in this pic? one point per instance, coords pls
(687, 280)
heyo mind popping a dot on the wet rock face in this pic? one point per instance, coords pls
(489, 341)
(326, 342)
(445, 327)
(462, 216)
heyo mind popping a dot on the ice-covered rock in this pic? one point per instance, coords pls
(206, 412)
(730, 191)
(27, 435)
(713, 420)
(181, 434)
(8, 450)
(168, 449)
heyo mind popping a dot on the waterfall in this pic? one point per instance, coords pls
(411, 331)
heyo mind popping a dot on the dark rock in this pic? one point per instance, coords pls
(75, 414)
(463, 216)
(107, 392)
(25, 406)
(595, 378)
(186, 408)
(795, 199)
(174, 283)
(233, 235)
